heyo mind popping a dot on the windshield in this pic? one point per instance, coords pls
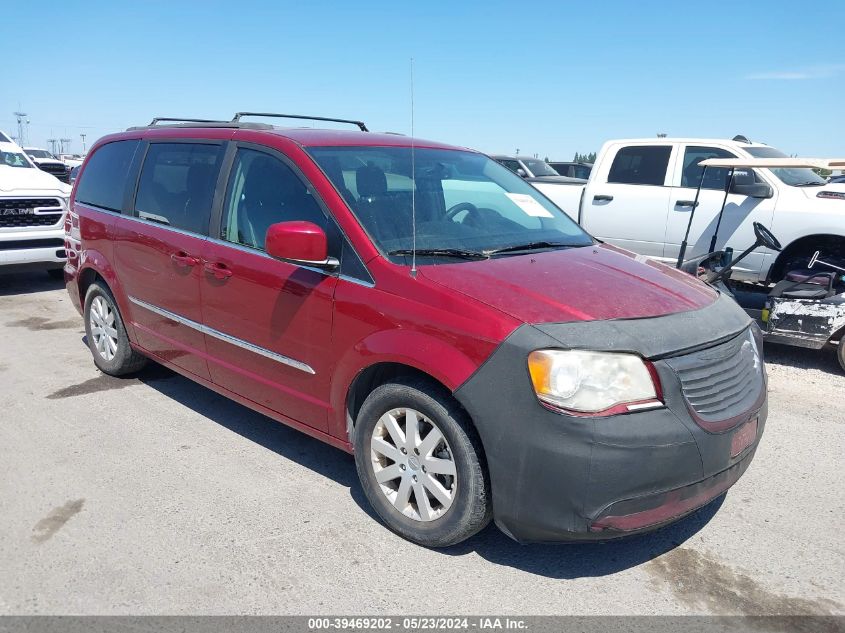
(463, 200)
(13, 159)
(794, 176)
(40, 153)
(539, 167)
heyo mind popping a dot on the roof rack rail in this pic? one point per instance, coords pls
(156, 120)
(360, 124)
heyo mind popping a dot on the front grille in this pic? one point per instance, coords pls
(723, 382)
(59, 171)
(20, 212)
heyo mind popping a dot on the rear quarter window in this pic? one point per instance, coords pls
(103, 182)
(640, 165)
(177, 183)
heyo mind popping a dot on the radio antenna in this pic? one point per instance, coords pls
(413, 185)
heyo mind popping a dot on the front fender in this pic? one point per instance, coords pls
(428, 354)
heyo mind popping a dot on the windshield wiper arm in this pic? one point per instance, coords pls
(441, 252)
(530, 246)
(809, 183)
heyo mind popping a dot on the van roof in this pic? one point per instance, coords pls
(307, 137)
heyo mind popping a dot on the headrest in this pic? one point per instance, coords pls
(370, 180)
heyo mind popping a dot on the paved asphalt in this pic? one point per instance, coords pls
(153, 495)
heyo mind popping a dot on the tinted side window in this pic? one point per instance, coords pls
(103, 182)
(511, 164)
(715, 176)
(177, 184)
(263, 190)
(581, 171)
(640, 165)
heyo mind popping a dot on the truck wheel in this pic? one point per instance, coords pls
(106, 334)
(421, 464)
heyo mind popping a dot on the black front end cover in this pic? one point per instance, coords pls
(553, 474)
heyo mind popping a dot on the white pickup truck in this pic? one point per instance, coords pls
(641, 192)
(33, 205)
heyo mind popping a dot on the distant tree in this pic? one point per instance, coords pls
(546, 159)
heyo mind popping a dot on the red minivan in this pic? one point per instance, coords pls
(425, 308)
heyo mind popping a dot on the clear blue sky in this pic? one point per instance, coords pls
(550, 78)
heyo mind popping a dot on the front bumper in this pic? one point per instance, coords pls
(561, 478)
(30, 258)
(23, 248)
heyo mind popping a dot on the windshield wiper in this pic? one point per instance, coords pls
(809, 183)
(530, 246)
(441, 252)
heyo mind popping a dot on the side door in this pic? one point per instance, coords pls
(158, 249)
(627, 201)
(736, 227)
(268, 322)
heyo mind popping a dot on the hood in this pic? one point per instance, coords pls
(578, 284)
(30, 178)
(46, 161)
(563, 179)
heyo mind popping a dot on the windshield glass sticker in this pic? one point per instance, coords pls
(529, 205)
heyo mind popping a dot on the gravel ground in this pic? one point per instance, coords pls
(152, 495)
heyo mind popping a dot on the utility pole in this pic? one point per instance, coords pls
(22, 120)
(63, 141)
(83, 142)
(52, 142)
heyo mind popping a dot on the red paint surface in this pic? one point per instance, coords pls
(578, 284)
(304, 241)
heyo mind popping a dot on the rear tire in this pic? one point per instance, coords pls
(421, 463)
(840, 352)
(106, 334)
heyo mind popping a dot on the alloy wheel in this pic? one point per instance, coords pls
(413, 464)
(103, 329)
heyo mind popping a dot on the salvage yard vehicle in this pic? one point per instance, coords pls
(426, 309)
(45, 161)
(32, 211)
(640, 195)
(534, 169)
(807, 307)
(572, 169)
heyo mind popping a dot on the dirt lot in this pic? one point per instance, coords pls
(154, 495)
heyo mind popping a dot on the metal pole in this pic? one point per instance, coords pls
(683, 250)
(728, 181)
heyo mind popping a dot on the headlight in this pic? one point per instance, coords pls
(592, 382)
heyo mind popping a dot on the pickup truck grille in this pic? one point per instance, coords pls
(722, 383)
(21, 212)
(59, 171)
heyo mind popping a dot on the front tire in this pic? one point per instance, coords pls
(421, 463)
(840, 352)
(106, 334)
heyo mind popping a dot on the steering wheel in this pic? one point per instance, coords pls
(766, 237)
(461, 206)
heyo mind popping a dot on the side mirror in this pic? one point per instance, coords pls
(521, 173)
(752, 190)
(300, 242)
